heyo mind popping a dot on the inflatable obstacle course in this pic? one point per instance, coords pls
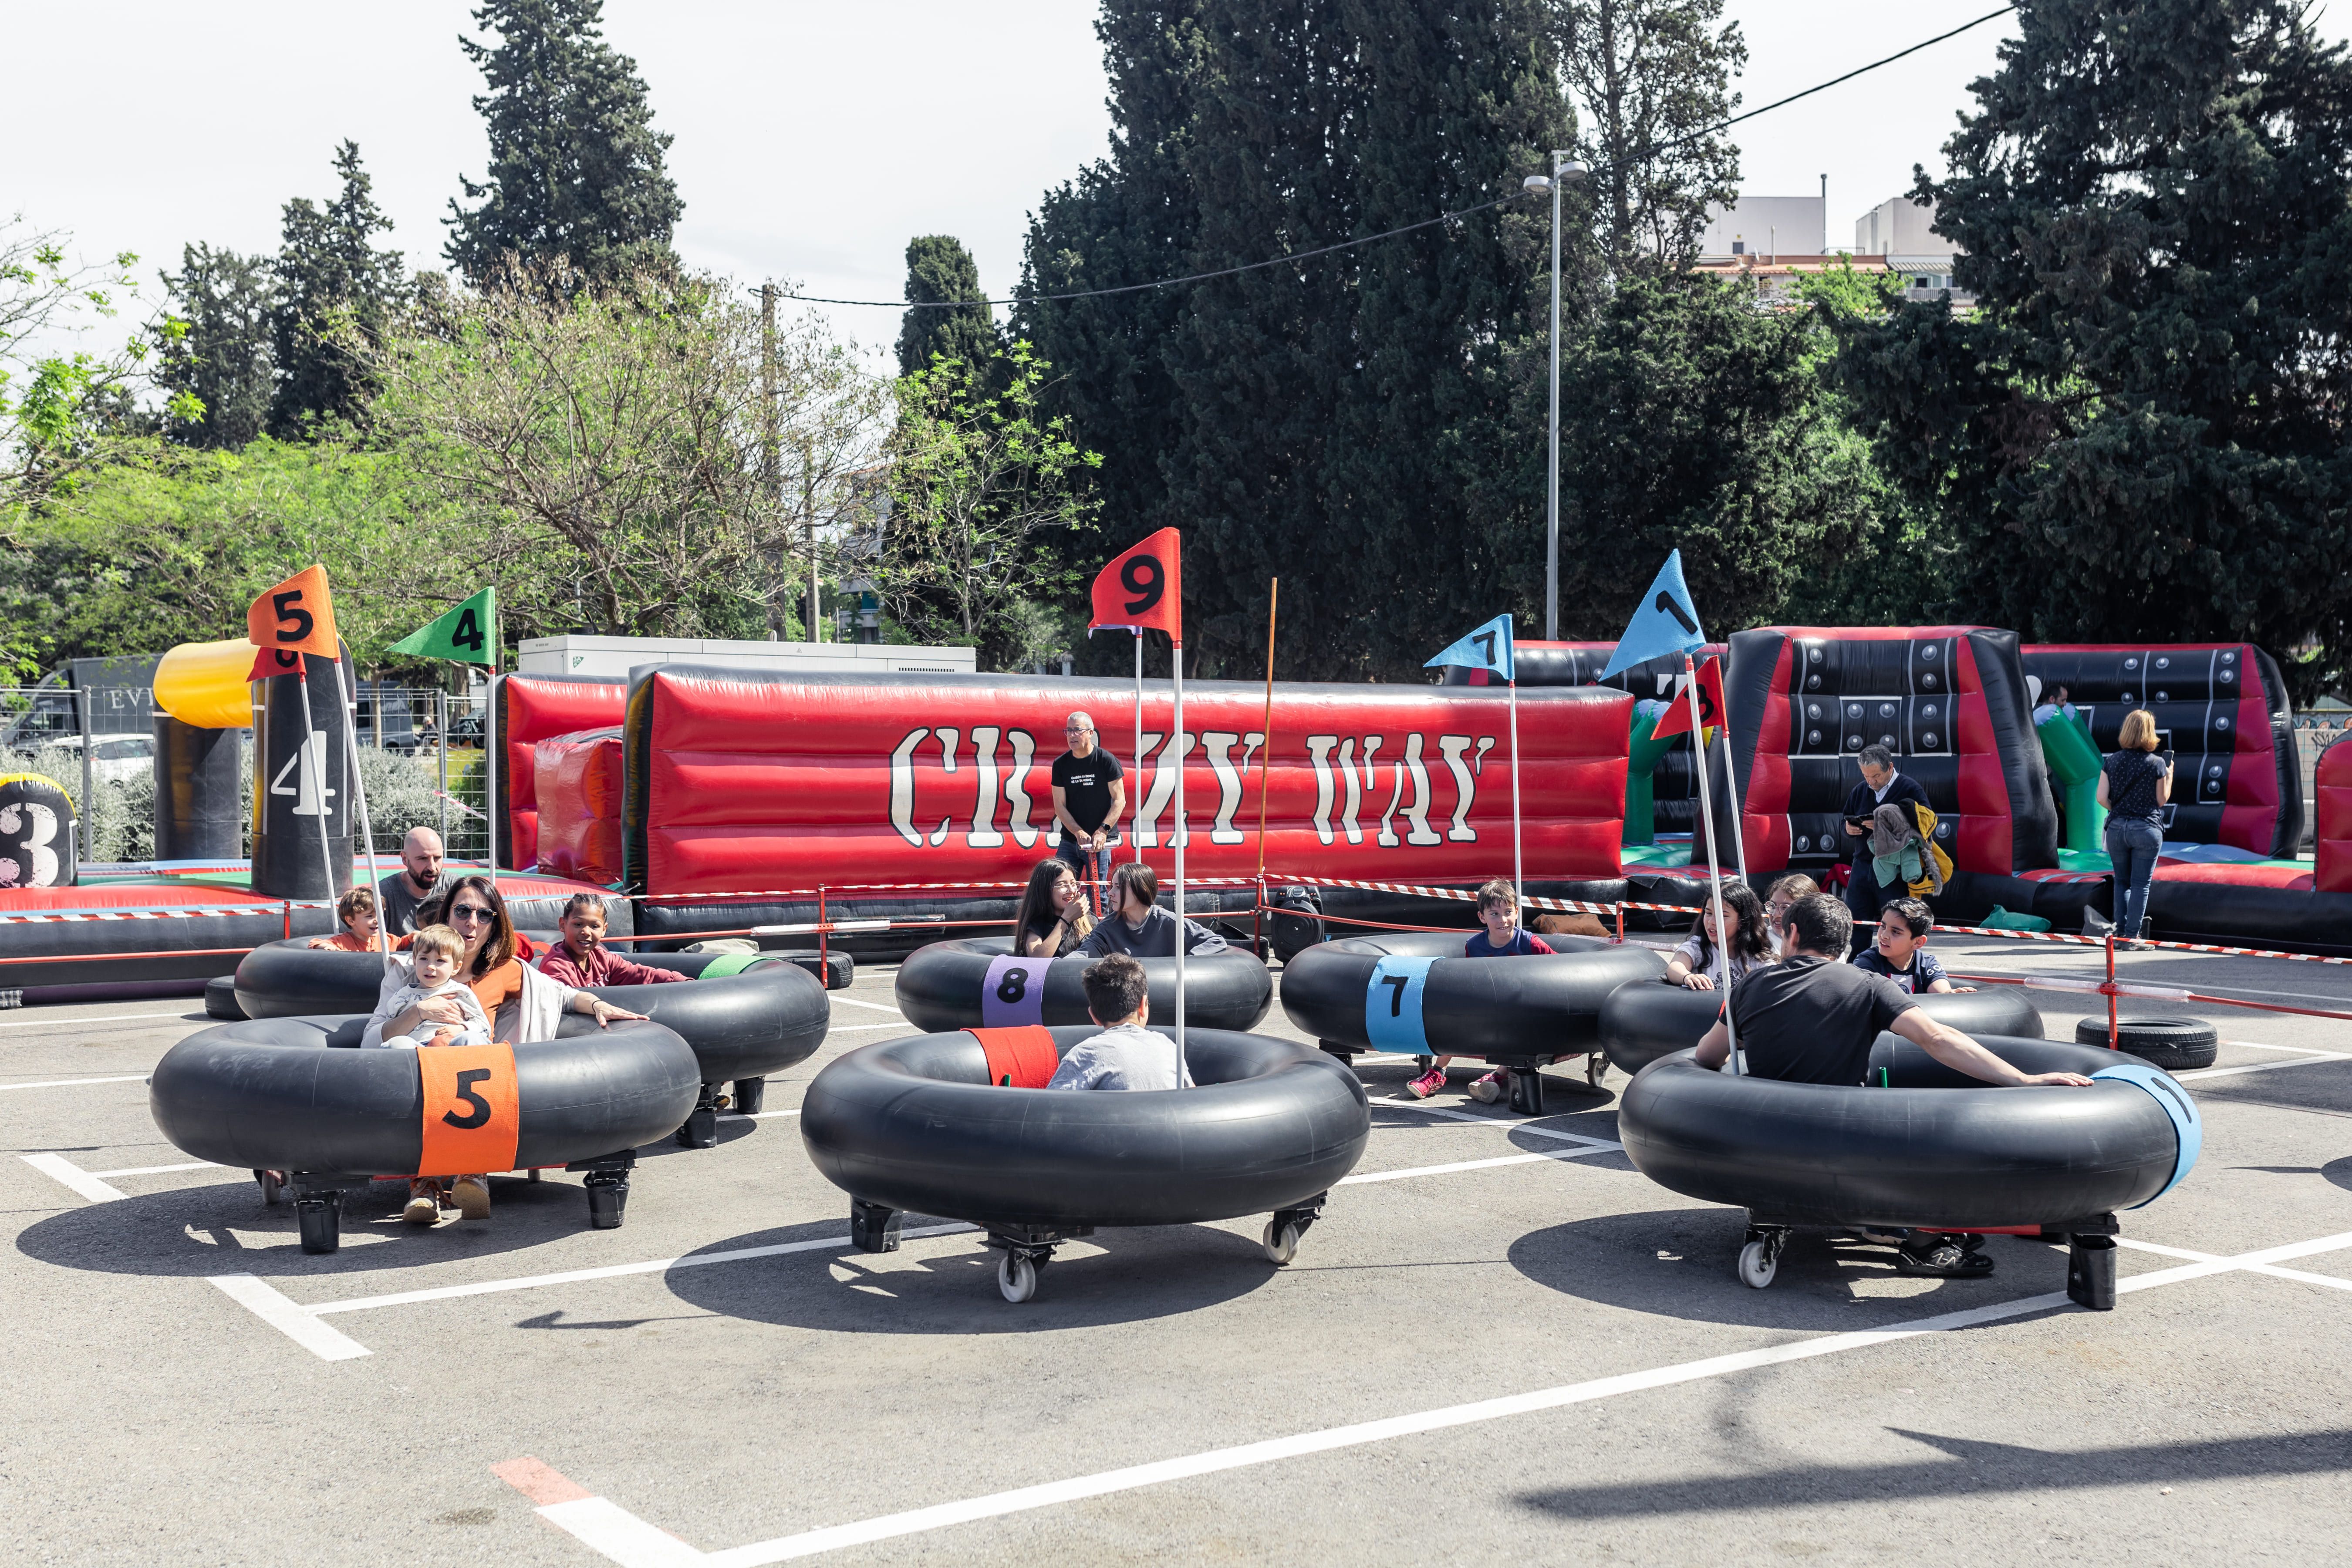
(577, 786)
(526, 709)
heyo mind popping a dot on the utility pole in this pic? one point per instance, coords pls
(771, 476)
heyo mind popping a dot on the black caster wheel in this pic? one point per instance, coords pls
(320, 1222)
(1596, 1068)
(608, 1200)
(749, 1094)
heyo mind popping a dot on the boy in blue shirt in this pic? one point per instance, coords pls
(1900, 952)
(1498, 910)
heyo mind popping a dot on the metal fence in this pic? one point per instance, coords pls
(421, 762)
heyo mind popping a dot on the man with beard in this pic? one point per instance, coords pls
(419, 873)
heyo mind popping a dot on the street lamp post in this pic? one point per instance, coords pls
(1564, 172)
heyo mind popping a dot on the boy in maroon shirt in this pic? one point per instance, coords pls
(582, 958)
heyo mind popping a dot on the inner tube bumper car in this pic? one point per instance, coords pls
(745, 1016)
(1643, 1022)
(924, 1123)
(297, 1095)
(977, 984)
(1414, 992)
(1934, 1150)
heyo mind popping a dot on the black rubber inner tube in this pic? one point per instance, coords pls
(1937, 1148)
(1518, 1011)
(914, 1124)
(1643, 1022)
(747, 1025)
(297, 1094)
(949, 985)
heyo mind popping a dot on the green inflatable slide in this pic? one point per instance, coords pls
(2075, 763)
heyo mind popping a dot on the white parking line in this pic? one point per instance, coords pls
(75, 1082)
(159, 1170)
(73, 1177)
(2312, 1061)
(1471, 1165)
(1496, 1121)
(614, 1546)
(876, 1007)
(273, 1307)
(2273, 1269)
(68, 1022)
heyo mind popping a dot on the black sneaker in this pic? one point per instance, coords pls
(1940, 1257)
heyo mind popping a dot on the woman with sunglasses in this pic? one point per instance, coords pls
(522, 1003)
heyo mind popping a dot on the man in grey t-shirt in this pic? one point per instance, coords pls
(420, 873)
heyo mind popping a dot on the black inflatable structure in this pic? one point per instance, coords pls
(1643, 1022)
(916, 1124)
(1413, 993)
(297, 1095)
(40, 846)
(977, 984)
(742, 1025)
(200, 809)
(1934, 1150)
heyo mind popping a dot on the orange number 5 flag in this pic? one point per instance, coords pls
(296, 616)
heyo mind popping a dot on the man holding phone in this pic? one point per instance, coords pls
(1881, 785)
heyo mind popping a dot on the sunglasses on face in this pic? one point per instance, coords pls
(469, 913)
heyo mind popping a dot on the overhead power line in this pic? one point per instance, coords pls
(1648, 151)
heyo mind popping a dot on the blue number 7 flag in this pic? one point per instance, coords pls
(1488, 648)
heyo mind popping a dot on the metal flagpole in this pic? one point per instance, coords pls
(1178, 742)
(1714, 867)
(1265, 744)
(490, 759)
(1518, 880)
(314, 744)
(359, 791)
(1135, 839)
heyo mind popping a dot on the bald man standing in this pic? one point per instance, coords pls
(419, 874)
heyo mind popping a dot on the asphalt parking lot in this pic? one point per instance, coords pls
(1502, 1343)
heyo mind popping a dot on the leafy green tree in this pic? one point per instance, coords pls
(1651, 76)
(981, 483)
(2140, 433)
(214, 347)
(576, 170)
(939, 270)
(1689, 419)
(56, 406)
(1127, 219)
(330, 272)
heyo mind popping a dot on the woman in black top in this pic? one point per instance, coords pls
(2133, 786)
(1052, 919)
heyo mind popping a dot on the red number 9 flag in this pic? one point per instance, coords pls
(1144, 588)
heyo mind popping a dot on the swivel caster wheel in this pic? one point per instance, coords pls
(320, 1222)
(1759, 1258)
(274, 1190)
(1280, 1241)
(1596, 1068)
(1016, 1278)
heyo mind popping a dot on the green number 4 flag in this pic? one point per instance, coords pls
(469, 634)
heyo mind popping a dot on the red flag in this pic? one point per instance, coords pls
(269, 663)
(296, 616)
(1144, 589)
(1675, 719)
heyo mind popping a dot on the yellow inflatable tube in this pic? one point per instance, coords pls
(203, 683)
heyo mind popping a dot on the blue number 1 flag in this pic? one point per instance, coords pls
(1663, 622)
(1487, 648)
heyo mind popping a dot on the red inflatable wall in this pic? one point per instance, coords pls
(577, 784)
(532, 709)
(739, 781)
(1948, 701)
(2333, 822)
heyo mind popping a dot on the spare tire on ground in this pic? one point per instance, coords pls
(2173, 1044)
(220, 998)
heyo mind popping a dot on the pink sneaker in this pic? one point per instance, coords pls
(1427, 1084)
(1490, 1089)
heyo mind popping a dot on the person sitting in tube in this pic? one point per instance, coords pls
(1698, 963)
(1138, 927)
(1051, 921)
(582, 959)
(1498, 911)
(1900, 952)
(1812, 1019)
(1126, 1054)
(1786, 892)
(433, 956)
(355, 910)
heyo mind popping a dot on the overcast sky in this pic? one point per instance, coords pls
(812, 140)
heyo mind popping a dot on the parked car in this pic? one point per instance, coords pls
(114, 758)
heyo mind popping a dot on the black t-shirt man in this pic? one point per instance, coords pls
(1084, 782)
(1808, 1020)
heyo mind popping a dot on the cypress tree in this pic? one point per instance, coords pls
(2138, 435)
(327, 267)
(217, 346)
(940, 268)
(576, 168)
